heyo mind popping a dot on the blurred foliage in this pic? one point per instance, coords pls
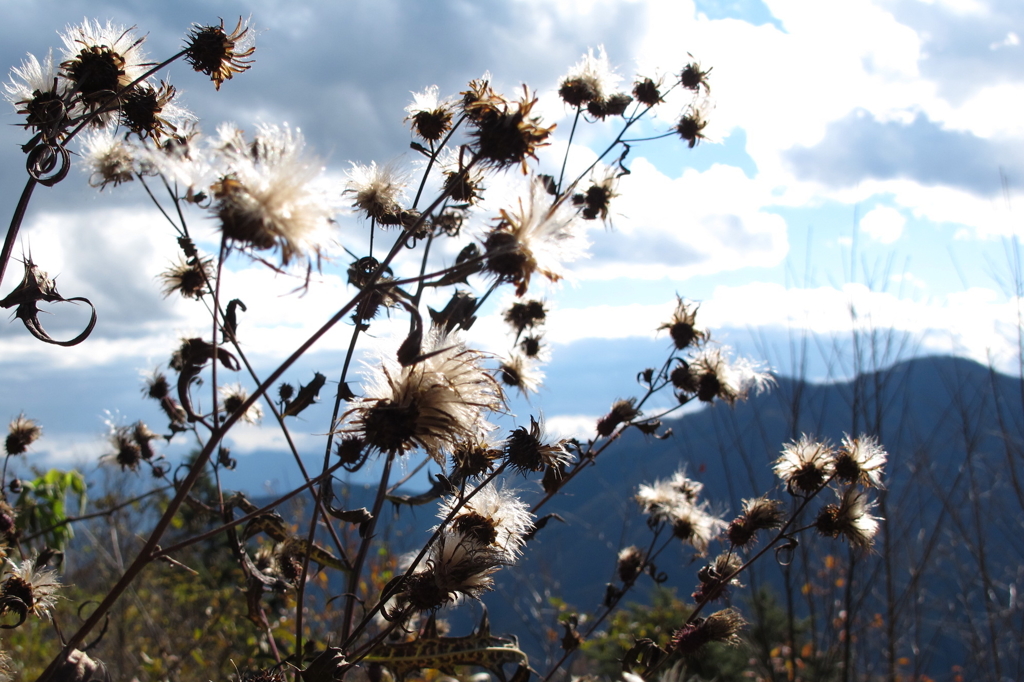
(44, 505)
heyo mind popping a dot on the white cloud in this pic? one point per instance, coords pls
(883, 224)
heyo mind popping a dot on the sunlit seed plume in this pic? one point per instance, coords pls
(492, 516)
(109, 159)
(538, 236)
(430, 116)
(38, 92)
(592, 78)
(30, 588)
(377, 191)
(268, 198)
(850, 518)
(805, 464)
(100, 60)
(861, 460)
(434, 403)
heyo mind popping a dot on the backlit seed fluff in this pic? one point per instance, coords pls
(434, 403)
(109, 159)
(28, 589)
(592, 78)
(269, 197)
(233, 397)
(520, 372)
(21, 433)
(805, 465)
(218, 54)
(722, 626)
(190, 279)
(377, 191)
(457, 566)
(538, 236)
(430, 116)
(715, 375)
(850, 518)
(100, 60)
(492, 516)
(630, 563)
(861, 460)
(37, 91)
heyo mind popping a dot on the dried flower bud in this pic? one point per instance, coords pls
(722, 626)
(713, 577)
(622, 411)
(631, 561)
(693, 78)
(142, 110)
(473, 457)
(690, 126)
(759, 513)
(188, 278)
(21, 433)
(506, 134)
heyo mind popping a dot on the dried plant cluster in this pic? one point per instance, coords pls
(431, 399)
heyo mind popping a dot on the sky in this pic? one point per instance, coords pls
(862, 164)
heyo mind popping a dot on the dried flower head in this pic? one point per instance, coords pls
(21, 433)
(218, 54)
(861, 460)
(722, 626)
(596, 199)
(101, 60)
(473, 457)
(805, 465)
(109, 159)
(683, 325)
(647, 91)
(850, 518)
(525, 450)
(431, 117)
(622, 411)
(691, 126)
(538, 237)
(127, 451)
(613, 105)
(190, 278)
(715, 376)
(505, 133)
(39, 93)
(759, 513)
(592, 78)
(267, 199)
(525, 315)
(234, 397)
(30, 588)
(147, 111)
(493, 517)
(377, 191)
(435, 403)
(480, 100)
(694, 78)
